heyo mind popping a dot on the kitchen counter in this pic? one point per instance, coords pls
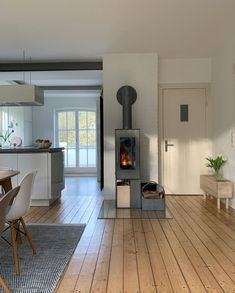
(49, 164)
(29, 149)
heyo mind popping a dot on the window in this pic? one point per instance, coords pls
(4, 119)
(87, 139)
(76, 132)
(184, 113)
(67, 136)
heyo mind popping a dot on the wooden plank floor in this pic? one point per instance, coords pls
(193, 252)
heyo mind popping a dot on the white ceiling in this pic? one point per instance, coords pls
(75, 30)
(87, 29)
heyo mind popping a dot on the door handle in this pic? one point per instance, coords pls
(167, 145)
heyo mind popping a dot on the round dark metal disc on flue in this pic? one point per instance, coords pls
(127, 96)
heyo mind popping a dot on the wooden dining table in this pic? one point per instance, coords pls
(5, 179)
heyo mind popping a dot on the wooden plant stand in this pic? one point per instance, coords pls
(219, 189)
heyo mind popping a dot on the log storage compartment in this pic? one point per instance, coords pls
(153, 196)
(123, 194)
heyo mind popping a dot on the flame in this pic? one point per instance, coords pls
(124, 160)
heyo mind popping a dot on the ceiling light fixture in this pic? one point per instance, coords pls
(21, 94)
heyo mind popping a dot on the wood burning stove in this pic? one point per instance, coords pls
(127, 155)
(127, 152)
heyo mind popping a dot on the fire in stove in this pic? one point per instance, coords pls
(127, 152)
(125, 161)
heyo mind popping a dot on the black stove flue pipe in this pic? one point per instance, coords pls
(126, 96)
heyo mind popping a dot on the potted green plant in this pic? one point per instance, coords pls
(5, 136)
(215, 165)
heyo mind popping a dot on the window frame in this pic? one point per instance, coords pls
(77, 169)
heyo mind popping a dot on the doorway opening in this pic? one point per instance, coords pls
(184, 143)
(75, 130)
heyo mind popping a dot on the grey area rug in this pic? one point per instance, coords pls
(109, 211)
(40, 273)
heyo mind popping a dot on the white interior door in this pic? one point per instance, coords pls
(185, 144)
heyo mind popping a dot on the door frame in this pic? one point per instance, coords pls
(161, 88)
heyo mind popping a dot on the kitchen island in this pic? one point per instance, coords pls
(49, 164)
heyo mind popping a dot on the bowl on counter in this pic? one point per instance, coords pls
(43, 145)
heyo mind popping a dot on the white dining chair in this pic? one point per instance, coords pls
(4, 206)
(14, 217)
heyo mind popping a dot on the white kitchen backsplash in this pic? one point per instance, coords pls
(27, 133)
(20, 120)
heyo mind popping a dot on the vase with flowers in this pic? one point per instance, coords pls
(5, 136)
(216, 165)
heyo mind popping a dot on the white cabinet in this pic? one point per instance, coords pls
(39, 162)
(49, 180)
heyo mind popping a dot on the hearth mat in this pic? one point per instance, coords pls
(109, 211)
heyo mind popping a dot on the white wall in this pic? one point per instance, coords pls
(43, 117)
(185, 70)
(223, 83)
(189, 72)
(140, 72)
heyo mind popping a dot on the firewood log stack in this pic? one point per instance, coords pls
(153, 190)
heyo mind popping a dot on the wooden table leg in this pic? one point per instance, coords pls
(6, 185)
(218, 203)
